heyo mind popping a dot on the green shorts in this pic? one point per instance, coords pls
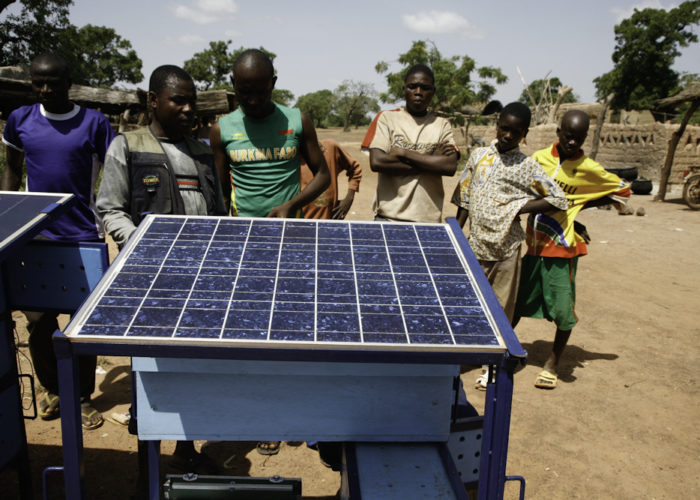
(548, 290)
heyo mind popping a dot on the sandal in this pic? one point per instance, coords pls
(483, 380)
(48, 407)
(91, 418)
(268, 447)
(546, 380)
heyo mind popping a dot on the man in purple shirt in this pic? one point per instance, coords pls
(63, 146)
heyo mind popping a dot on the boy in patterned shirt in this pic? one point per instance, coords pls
(498, 184)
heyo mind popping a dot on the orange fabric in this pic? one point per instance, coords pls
(338, 160)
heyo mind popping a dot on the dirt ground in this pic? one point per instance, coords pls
(623, 422)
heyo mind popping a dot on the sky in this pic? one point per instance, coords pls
(319, 44)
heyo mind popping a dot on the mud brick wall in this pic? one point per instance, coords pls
(643, 145)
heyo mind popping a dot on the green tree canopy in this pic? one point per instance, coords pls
(99, 56)
(544, 90)
(96, 55)
(35, 30)
(646, 45)
(458, 80)
(318, 105)
(212, 69)
(353, 101)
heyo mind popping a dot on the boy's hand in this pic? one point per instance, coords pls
(581, 230)
(342, 207)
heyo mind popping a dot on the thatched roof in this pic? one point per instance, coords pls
(690, 93)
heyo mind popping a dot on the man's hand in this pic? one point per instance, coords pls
(445, 149)
(281, 211)
(342, 207)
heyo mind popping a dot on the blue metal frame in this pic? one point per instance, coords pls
(22, 216)
(498, 396)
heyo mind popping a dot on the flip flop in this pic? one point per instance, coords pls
(48, 407)
(482, 381)
(91, 418)
(546, 380)
(268, 447)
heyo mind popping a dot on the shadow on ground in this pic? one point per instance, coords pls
(112, 474)
(574, 357)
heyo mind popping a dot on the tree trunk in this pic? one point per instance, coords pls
(670, 153)
(599, 126)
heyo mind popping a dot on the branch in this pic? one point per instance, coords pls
(670, 153)
(562, 93)
(599, 125)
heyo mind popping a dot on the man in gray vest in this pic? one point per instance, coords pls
(161, 169)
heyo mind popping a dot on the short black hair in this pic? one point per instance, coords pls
(255, 56)
(519, 110)
(52, 58)
(419, 68)
(161, 75)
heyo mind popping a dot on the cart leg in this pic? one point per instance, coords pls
(71, 424)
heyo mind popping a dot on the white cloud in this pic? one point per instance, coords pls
(440, 22)
(623, 13)
(206, 11)
(190, 39)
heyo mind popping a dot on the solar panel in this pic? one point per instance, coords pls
(292, 283)
(20, 213)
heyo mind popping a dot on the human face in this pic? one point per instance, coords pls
(51, 87)
(174, 108)
(253, 86)
(509, 132)
(571, 137)
(418, 90)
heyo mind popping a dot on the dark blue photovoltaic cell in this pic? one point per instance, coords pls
(293, 281)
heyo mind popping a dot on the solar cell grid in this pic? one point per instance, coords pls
(291, 281)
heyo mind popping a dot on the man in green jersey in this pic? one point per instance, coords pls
(257, 147)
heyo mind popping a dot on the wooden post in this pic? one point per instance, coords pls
(599, 126)
(670, 153)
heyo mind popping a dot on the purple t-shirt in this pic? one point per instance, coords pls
(63, 154)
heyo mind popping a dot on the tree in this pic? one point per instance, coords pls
(544, 90)
(96, 55)
(318, 105)
(33, 31)
(99, 57)
(453, 77)
(212, 69)
(353, 100)
(646, 45)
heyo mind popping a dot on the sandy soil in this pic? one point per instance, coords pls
(623, 422)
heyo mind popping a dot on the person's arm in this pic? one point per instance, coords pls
(354, 171)
(317, 164)
(221, 161)
(12, 175)
(399, 161)
(600, 202)
(114, 196)
(462, 216)
(537, 206)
